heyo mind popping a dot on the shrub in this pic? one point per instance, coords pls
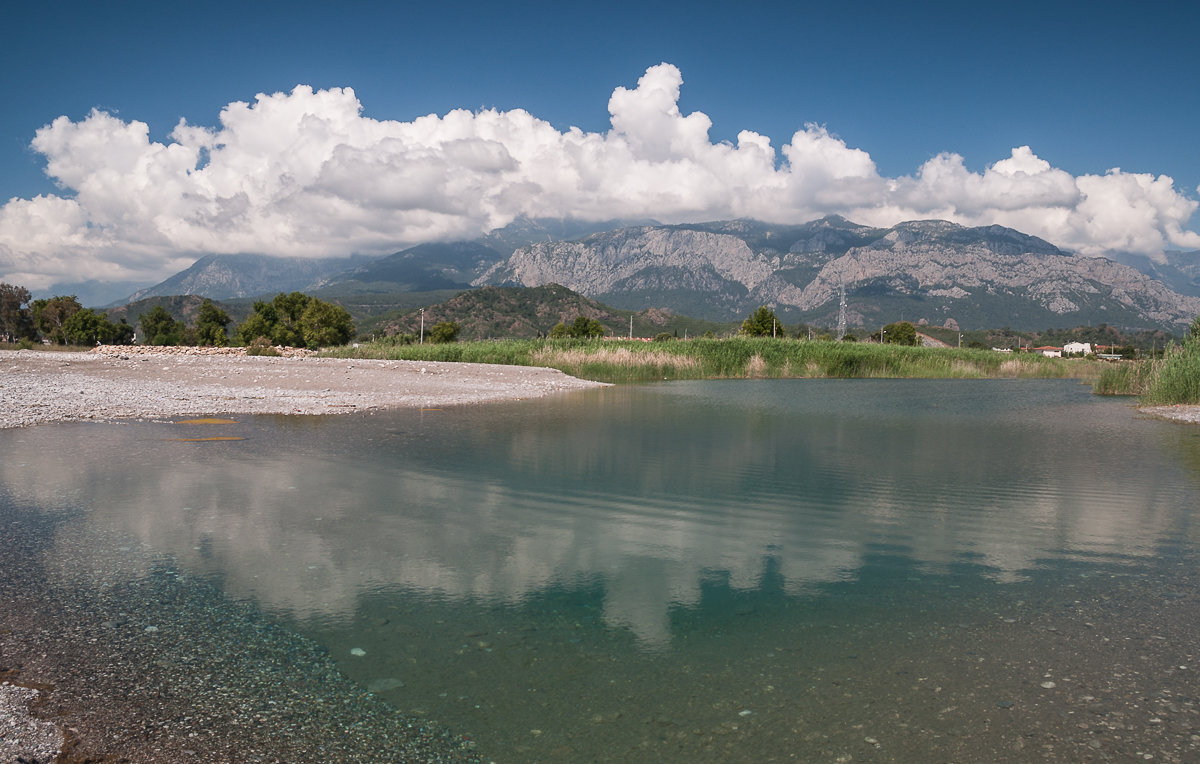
(444, 331)
(261, 346)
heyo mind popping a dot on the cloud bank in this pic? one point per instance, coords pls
(305, 173)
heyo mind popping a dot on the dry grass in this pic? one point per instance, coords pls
(619, 356)
(741, 357)
(1011, 368)
(966, 369)
(756, 367)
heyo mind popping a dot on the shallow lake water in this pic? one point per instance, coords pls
(834, 570)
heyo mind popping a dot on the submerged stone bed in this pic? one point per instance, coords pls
(130, 660)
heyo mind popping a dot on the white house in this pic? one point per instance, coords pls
(1077, 348)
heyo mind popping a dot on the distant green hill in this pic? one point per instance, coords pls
(496, 312)
(182, 307)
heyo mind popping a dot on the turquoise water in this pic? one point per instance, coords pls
(745, 570)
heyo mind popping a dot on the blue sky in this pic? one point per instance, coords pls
(1086, 87)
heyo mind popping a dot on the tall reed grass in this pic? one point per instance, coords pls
(1176, 378)
(1125, 378)
(1172, 379)
(736, 358)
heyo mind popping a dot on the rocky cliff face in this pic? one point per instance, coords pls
(932, 270)
(602, 262)
(223, 277)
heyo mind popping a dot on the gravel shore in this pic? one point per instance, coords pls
(22, 737)
(1189, 414)
(154, 383)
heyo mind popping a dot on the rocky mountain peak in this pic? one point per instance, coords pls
(933, 269)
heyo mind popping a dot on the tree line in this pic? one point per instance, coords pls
(294, 320)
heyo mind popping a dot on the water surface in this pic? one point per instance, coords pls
(822, 570)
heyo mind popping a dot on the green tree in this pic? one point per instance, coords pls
(584, 327)
(900, 333)
(210, 325)
(559, 331)
(16, 318)
(259, 324)
(444, 331)
(91, 327)
(291, 306)
(49, 315)
(288, 311)
(297, 320)
(159, 327)
(762, 323)
(123, 333)
(84, 327)
(277, 321)
(324, 324)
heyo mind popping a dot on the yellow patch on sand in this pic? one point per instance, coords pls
(207, 421)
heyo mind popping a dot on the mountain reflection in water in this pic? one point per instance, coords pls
(649, 491)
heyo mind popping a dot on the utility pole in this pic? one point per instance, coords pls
(842, 313)
(422, 326)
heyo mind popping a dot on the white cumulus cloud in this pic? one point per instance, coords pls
(306, 173)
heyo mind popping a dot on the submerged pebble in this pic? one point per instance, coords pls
(247, 690)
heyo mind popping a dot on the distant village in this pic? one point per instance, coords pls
(1103, 352)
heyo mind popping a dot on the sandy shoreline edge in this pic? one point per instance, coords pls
(116, 382)
(112, 383)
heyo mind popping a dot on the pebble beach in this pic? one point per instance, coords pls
(111, 383)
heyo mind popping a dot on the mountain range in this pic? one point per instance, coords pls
(225, 277)
(930, 271)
